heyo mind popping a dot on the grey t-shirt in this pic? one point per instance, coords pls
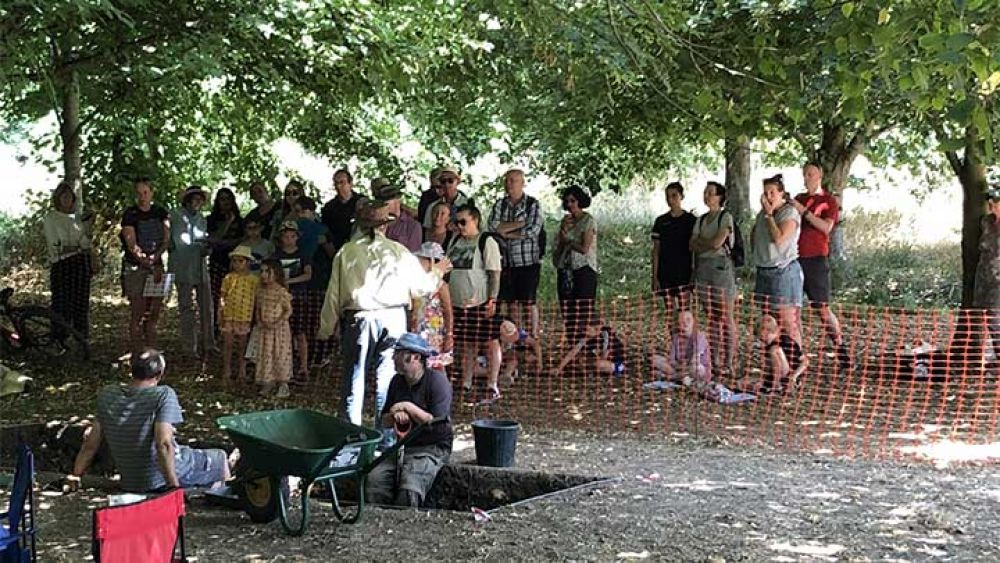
(766, 253)
(127, 415)
(468, 282)
(708, 226)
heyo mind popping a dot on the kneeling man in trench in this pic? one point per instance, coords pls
(417, 395)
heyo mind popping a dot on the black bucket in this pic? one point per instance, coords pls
(496, 441)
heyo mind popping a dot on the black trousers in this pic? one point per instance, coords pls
(577, 292)
(69, 280)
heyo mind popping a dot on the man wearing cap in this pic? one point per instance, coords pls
(373, 281)
(338, 213)
(430, 195)
(448, 180)
(404, 230)
(417, 395)
(517, 218)
(188, 252)
(138, 422)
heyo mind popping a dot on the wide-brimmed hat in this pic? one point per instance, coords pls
(430, 250)
(371, 213)
(289, 226)
(383, 189)
(242, 252)
(415, 343)
(193, 191)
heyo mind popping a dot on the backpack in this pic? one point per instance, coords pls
(481, 243)
(735, 249)
(543, 237)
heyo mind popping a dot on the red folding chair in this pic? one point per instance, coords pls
(151, 531)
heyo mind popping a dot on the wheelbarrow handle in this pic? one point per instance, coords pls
(402, 442)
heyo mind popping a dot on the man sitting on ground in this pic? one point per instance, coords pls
(416, 395)
(138, 421)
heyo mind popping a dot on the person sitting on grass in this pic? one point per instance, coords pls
(236, 306)
(417, 394)
(690, 358)
(506, 341)
(138, 422)
(784, 362)
(605, 350)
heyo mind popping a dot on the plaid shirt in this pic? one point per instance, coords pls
(522, 251)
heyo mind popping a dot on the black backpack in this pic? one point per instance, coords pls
(481, 243)
(543, 237)
(735, 250)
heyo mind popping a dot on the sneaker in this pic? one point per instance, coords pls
(282, 391)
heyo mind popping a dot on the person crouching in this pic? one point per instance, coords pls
(416, 396)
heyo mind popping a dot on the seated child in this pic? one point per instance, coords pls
(784, 361)
(690, 358)
(508, 340)
(605, 350)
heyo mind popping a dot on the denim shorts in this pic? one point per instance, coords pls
(780, 286)
(207, 467)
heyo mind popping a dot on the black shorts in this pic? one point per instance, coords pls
(520, 284)
(816, 276)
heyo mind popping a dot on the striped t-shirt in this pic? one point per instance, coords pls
(127, 416)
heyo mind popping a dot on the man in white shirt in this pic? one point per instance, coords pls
(372, 282)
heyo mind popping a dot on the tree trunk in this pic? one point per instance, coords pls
(968, 345)
(836, 154)
(70, 134)
(972, 175)
(738, 167)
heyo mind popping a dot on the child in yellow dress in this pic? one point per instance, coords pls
(274, 335)
(236, 306)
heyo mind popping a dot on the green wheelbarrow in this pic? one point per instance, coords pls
(316, 447)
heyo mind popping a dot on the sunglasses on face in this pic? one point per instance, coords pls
(288, 194)
(462, 222)
(448, 180)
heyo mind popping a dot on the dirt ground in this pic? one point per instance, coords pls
(689, 500)
(679, 497)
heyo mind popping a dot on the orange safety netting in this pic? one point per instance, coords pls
(915, 377)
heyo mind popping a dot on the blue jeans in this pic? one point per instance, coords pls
(366, 342)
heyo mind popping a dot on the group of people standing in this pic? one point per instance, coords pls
(790, 247)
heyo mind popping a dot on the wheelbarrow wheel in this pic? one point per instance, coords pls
(260, 497)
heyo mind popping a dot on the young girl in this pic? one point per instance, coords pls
(689, 354)
(432, 317)
(236, 303)
(274, 336)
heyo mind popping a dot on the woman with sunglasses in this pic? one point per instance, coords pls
(474, 285)
(293, 191)
(575, 259)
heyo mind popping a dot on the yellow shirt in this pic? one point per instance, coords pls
(237, 298)
(369, 275)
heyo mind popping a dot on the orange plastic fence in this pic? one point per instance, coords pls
(916, 377)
